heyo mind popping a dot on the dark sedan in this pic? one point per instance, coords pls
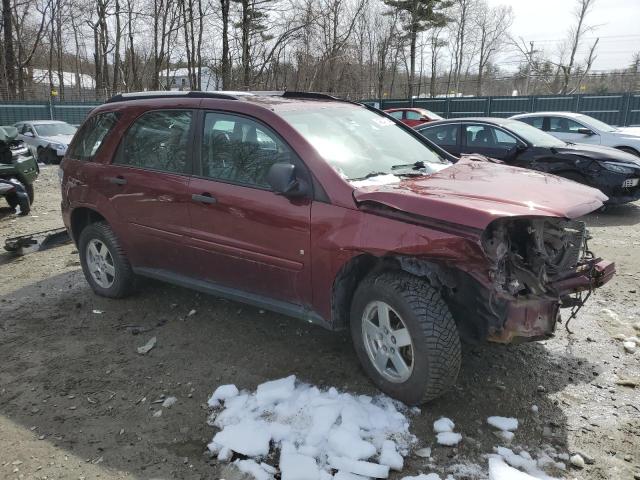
(615, 173)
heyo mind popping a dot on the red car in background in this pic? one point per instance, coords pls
(413, 116)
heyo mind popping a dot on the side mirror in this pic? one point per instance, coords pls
(586, 131)
(282, 179)
(28, 134)
(424, 118)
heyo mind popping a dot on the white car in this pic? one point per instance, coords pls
(47, 139)
(580, 128)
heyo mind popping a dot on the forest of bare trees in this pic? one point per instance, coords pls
(353, 48)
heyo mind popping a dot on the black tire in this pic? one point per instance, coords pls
(630, 150)
(13, 200)
(123, 279)
(40, 155)
(437, 352)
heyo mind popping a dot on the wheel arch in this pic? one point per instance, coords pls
(81, 217)
(358, 267)
(628, 149)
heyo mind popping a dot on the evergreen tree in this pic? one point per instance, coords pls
(419, 16)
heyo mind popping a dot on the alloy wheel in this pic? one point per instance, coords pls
(387, 342)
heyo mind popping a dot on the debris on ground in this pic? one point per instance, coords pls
(577, 461)
(169, 402)
(146, 348)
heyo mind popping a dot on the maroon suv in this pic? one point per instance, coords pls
(332, 212)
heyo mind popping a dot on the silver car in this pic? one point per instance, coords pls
(47, 139)
(580, 128)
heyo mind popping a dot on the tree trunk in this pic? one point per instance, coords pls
(246, 30)
(226, 61)
(412, 59)
(9, 55)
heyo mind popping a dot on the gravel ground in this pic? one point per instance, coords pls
(76, 400)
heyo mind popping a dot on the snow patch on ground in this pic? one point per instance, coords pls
(443, 425)
(314, 431)
(503, 423)
(449, 439)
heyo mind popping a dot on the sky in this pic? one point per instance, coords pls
(546, 22)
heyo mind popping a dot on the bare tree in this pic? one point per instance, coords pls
(576, 35)
(492, 25)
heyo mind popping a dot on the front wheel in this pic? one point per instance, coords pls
(405, 337)
(104, 263)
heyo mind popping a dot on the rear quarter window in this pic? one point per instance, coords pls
(90, 137)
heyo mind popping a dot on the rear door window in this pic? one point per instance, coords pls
(564, 125)
(397, 115)
(533, 121)
(158, 140)
(88, 140)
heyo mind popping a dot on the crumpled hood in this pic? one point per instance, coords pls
(62, 139)
(473, 194)
(599, 152)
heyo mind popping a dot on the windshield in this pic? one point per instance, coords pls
(595, 123)
(535, 137)
(53, 129)
(359, 143)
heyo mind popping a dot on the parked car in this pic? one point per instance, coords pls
(47, 139)
(413, 116)
(18, 171)
(580, 128)
(331, 212)
(614, 172)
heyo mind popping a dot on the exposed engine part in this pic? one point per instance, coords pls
(531, 253)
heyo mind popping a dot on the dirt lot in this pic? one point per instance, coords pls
(76, 400)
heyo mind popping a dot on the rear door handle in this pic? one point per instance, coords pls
(204, 198)
(117, 180)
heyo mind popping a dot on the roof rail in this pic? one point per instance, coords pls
(311, 96)
(123, 97)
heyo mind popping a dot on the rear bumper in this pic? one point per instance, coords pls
(535, 319)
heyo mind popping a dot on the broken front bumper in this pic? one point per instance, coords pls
(535, 318)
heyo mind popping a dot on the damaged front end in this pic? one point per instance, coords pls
(538, 265)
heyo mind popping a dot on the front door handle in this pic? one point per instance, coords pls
(117, 180)
(204, 198)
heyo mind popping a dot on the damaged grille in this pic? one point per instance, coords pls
(530, 253)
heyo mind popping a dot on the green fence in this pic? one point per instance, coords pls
(614, 109)
(16, 111)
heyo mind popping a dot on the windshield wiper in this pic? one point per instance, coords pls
(369, 175)
(416, 166)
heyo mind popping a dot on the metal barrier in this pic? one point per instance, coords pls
(16, 111)
(614, 109)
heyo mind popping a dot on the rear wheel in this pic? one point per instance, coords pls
(405, 337)
(104, 263)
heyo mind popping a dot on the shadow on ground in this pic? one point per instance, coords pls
(70, 369)
(627, 214)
